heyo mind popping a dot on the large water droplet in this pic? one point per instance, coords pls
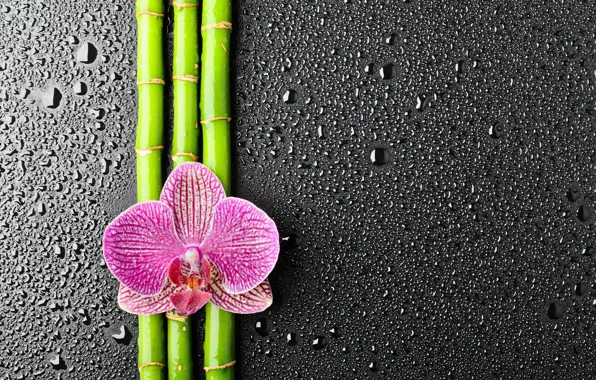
(87, 53)
(379, 156)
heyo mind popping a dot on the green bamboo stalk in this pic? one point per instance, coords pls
(219, 345)
(149, 141)
(185, 148)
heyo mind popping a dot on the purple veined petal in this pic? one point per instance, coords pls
(139, 245)
(192, 191)
(253, 301)
(138, 304)
(243, 244)
(189, 302)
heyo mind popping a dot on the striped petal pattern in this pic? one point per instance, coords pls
(137, 304)
(253, 301)
(243, 244)
(139, 245)
(192, 191)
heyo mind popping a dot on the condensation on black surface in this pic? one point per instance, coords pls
(430, 167)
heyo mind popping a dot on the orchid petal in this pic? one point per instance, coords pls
(189, 301)
(139, 244)
(138, 304)
(253, 301)
(243, 244)
(192, 191)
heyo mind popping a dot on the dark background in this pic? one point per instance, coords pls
(429, 163)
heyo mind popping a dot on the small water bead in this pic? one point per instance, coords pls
(80, 88)
(292, 241)
(379, 156)
(589, 251)
(573, 193)
(87, 53)
(581, 288)
(290, 97)
(556, 310)
(422, 102)
(57, 362)
(584, 213)
(369, 69)
(319, 342)
(461, 66)
(497, 130)
(52, 98)
(59, 251)
(389, 71)
(123, 336)
(292, 339)
(261, 327)
(373, 366)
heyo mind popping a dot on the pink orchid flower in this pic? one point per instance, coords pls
(193, 246)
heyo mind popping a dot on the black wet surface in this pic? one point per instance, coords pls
(430, 166)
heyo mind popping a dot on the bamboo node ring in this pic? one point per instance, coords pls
(183, 154)
(226, 118)
(150, 13)
(176, 317)
(219, 25)
(187, 78)
(145, 151)
(151, 364)
(227, 365)
(152, 81)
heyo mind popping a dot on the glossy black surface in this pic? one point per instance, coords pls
(430, 165)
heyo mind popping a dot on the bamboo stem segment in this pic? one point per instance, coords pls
(185, 148)
(219, 345)
(149, 145)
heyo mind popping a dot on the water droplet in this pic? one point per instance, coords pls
(292, 241)
(573, 193)
(584, 213)
(373, 366)
(497, 130)
(80, 88)
(422, 102)
(52, 98)
(319, 342)
(379, 156)
(581, 288)
(389, 71)
(87, 53)
(57, 362)
(261, 327)
(290, 97)
(556, 310)
(292, 339)
(123, 336)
